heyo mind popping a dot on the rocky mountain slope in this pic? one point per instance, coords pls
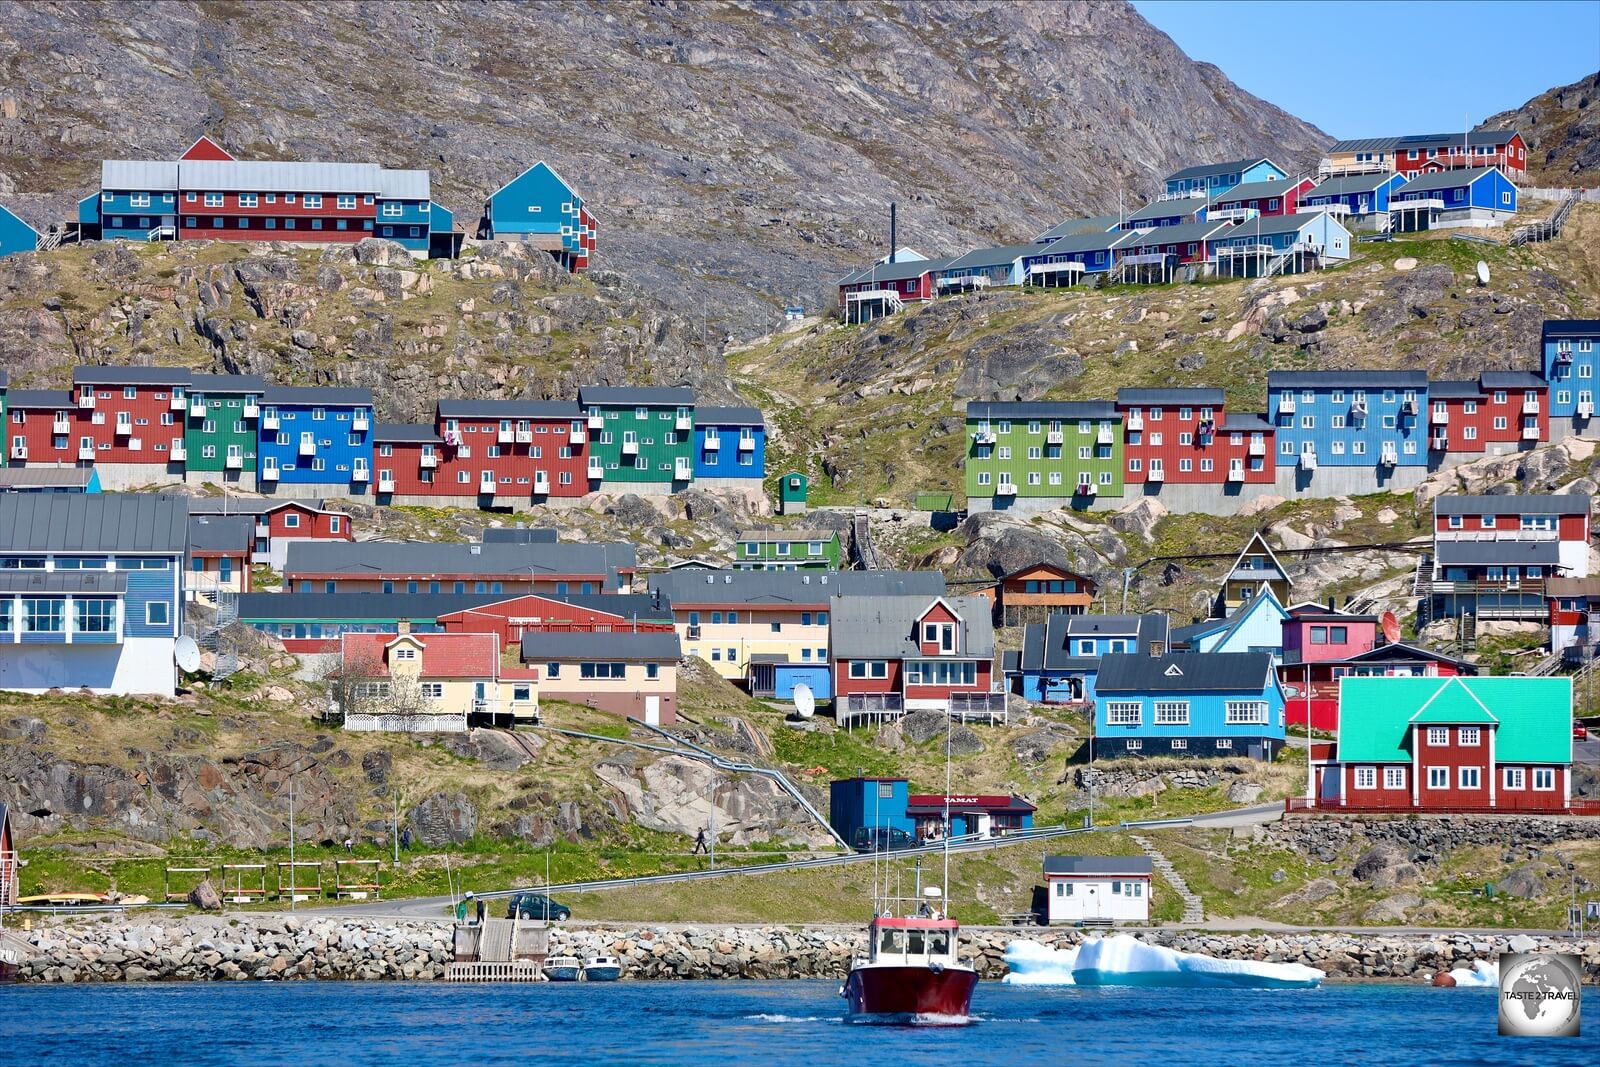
(738, 154)
(1562, 128)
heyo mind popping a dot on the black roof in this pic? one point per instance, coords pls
(39, 398)
(401, 431)
(291, 395)
(1512, 379)
(509, 409)
(344, 606)
(131, 375)
(1229, 672)
(777, 589)
(1347, 379)
(735, 416)
(1187, 397)
(1046, 645)
(1513, 504)
(1498, 553)
(93, 522)
(538, 646)
(1098, 865)
(636, 396)
(221, 533)
(226, 383)
(423, 558)
(1042, 409)
(1454, 390)
(1571, 328)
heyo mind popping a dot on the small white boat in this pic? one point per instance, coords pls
(602, 969)
(563, 969)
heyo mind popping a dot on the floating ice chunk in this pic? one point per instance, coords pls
(1122, 960)
(1482, 973)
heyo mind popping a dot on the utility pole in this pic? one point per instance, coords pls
(1127, 577)
(294, 882)
(397, 829)
(713, 834)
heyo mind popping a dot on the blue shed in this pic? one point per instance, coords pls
(316, 436)
(1211, 178)
(16, 235)
(730, 442)
(1188, 704)
(541, 208)
(857, 804)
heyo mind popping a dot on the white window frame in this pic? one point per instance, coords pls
(1546, 775)
(1366, 778)
(1438, 737)
(1474, 773)
(1394, 777)
(1171, 713)
(1124, 713)
(1438, 777)
(1468, 736)
(1514, 779)
(1246, 712)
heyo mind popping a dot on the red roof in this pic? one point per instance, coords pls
(969, 802)
(443, 655)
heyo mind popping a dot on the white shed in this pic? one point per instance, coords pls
(1097, 888)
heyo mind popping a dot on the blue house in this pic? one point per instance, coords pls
(856, 805)
(1357, 196)
(1067, 259)
(92, 594)
(1308, 239)
(984, 267)
(1188, 704)
(16, 235)
(406, 210)
(539, 207)
(1254, 626)
(1209, 178)
(1074, 227)
(1061, 656)
(1176, 212)
(730, 443)
(316, 435)
(1570, 349)
(1482, 194)
(1349, 418)
(138, 199)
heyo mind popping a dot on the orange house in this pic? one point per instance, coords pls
(1035, 592)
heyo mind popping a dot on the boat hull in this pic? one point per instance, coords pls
(602, 974)
(910, 993)
(563, 974)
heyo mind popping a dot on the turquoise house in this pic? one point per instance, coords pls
(1208, 179)
(540, 208)
(16, 235)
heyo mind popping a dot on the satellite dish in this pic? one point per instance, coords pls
(1291, 691)
(805, 702)
(1391, 627)
(186, 654)
(1483, 273)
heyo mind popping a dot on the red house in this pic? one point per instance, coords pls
(894, 654)
(595, 614)
(8, 859)
(1448, 745)
(1317, 682)
(40, 424)
(510, 450)
(1431, 153)
(1185, 437)
(406, 459)
(1039, 590)
(128, 415)
(1262, 198)
(1186, 243)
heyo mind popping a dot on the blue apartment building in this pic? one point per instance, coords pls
(1370, 419)
(1212, 178)
(316, 436)
(730, 442)
(1570, 351)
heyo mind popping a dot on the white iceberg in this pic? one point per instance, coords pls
(1482, 973)
(1122, 960)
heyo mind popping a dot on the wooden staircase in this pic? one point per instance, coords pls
(1193, 907)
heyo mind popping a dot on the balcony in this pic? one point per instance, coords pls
(263, 530)
(61, 426)
(1006, 489)
(1530, 405)
(135, 444)
(541, 483)
(524, 437)
(1308, 460)
(269, 421)
(630, 448)
(983, 437)
(597, 469)
(1409, 405)
(1258, 446)
(269, 470)
(86, 400)
(684, 421)
(597, 421)
(428, 460)
(713, 443)
(1235, 474)
(505, 435)
(197, 407)
(1135, 420)
(1441, 416)
(694, 631)
(1421, 203)
(1358, 409)
(1104, 436)
(682, 469)
(361, 422)
(360, 473)
(1563, 353)
(1585, 409)
(385, 483)
(1087, 489)
(1530, 433)
(308, 446)
(1439, 442)
(1157, 474)
(1056, 437)
(179, 452)
(19, 451)
(486, 486)
(86, 453)
(177, 401)
(1388, 457)
(234, 462)
(1286, 405)
(1329, 167)
(747, 444)
(251, 409)
(124, 425)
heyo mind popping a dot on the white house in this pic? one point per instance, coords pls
(1097, 889)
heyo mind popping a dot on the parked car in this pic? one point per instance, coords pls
(536, 906)
(880, 839)
(1579, 732)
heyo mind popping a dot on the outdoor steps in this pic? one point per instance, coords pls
(1193, 907)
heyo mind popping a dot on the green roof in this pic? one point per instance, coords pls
(1534, 715)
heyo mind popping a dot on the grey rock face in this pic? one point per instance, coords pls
(444, 819)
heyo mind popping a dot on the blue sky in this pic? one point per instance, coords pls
(1375, 68)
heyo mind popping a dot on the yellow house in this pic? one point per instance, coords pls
(1257, 565)
(431, 683)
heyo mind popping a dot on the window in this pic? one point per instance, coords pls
(291, 521)
(1123, 713)
(43, 616)
(1470, 777)
(1394, 777)
(346, 203)
(1366, 778)
(1438, 736)
(213, 200)
(1438, 777)
(1468, 736)
(1246, 711)
(1515, 778)
(313, 200)
(1172, 713)
(155, 613)
(247, 199)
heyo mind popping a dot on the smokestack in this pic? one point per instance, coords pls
(894, 232)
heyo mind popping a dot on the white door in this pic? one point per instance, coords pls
(652, 711)
(984, 827)
(1091, 907)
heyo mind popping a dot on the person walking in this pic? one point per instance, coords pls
(700, 845)
(461, 908)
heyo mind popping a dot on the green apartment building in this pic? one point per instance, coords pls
(1043, 448)
(222, 419)
(787, 550)
(642, 436)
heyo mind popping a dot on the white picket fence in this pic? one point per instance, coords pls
(1535, 192)
(407, 724)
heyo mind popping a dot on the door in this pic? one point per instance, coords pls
(652, 711)
(983, 826)
(1091, 907)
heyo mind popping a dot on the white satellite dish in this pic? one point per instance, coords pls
(186, 654)
(1483, 273)
(805, 702)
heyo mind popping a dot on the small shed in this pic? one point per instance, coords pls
(1097, 889)
(773, 675)
(794, 491)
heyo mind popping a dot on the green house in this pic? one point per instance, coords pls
(1044, 449)
(221, 423)
(794, 490)
(787, 550)
(640, 435)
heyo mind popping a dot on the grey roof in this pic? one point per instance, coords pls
(1347, 184)
(509, 409)
(1454, 390)
(1204, 169)
(1167, 209)
(39, 398)
(1423, 140)
(404, 184)
(1571, 328)
(227, 383)
(543, 646)
(1128, 865)
(44, 477)
(865, 627)
(247, 505)
(25, 582)
(280, 176)
(1073, 227)
(729, 417)
(1255, 191)
(636, 395)
(221, 533)
(1512, 379)
(1175, 235)
(1497, 553)
(1270, 225)
(1228, 672)
(402, 431)
(1182, 397)
(1444, 179)
(264, 607)
(1046, 645)
(287, 395)
(813, 589)
(1513, 504)
(796, 534)
(1347, 379)
(421, 559)
(1044, 409)
(989, 257)
(93, 522)
(131, 375)
(520, 535)
(139, 175)
(1097, 241)
(898, 272)
(1246, 421)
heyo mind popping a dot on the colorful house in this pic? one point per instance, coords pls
(1188, 704)
(1155, 255)
(92, 597)
(984, 267)
(1068, 259)
(220, 549)
(1257, 625)
(1483, 196)
(884, 288)
(1044, 449)
(1570, 350)
(1428, 153)
(1356, 199)
(505, 452)
(221, 425)
(1282, 244)
(317, 437)
(980, 815)
(894, 654)
(126, 421)
(1256, 566)
(1448, 745)
(729, 443)
(1316, 680)
(16, 235)
(1060, 657)
(1501, 412)
(860, 809)
(1574, 617)
(1493, 554)
(1166, 211)
(1209, 179)
(1034, 593)
(1172, 436)
(640, 437)
(1368, 419)
(1251, 200)
(1074, 227)
(406, 458)
(786, 550)
(1097, 889)
(628, 673)
(540, 208)
(431, 683)
(312, 623)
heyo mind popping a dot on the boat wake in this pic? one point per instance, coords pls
(765, 1017)
(910, 1019)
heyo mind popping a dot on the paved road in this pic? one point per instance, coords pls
(1587, 751)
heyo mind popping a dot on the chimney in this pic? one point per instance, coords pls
(403, 626)
(894, 232)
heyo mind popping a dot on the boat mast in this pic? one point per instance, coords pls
(949, 727)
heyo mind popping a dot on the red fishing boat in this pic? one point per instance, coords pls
(911, 973)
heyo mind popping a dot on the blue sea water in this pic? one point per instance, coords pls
(771, 1024)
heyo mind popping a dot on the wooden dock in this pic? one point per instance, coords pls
(500, 950)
